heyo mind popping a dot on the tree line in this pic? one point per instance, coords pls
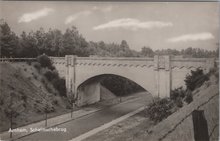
(55, 43)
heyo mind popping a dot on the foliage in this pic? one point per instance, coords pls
(147, 51)
(195, 79)
(189, 97)
(59, 84)
(56, 43)
(120, 86)
(8, 40)
(37, 66)
(45, 61)
(50, 75)
(160, 109)
(177, 93)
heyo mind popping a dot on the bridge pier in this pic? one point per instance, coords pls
(70, 62)
(162, 72)
(88, 93)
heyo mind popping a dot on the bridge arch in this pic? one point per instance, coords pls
(142, 79)
(105, 75)
(92, 90)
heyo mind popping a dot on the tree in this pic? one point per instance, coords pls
(124, 45)
(28, 44)
(8, 40)
(74, 43)
(147, 51)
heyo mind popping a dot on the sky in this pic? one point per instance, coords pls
(158, 25)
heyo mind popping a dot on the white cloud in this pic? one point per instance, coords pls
(103, 9)
(132, 24)
(71, 18)
(192, 37)
(28, 17)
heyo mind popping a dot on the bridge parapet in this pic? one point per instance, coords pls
(115, 62)
(193, 63)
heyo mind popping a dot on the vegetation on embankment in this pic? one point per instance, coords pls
(28, 93)
(162, 108)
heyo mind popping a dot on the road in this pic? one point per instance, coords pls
(84, 124)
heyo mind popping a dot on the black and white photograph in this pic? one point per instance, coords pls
(109, 70)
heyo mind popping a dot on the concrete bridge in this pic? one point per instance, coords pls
(157, 75)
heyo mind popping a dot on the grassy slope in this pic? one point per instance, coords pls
(23, 82)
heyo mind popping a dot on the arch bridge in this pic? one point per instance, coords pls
(157, 75)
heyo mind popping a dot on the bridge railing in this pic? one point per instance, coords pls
(116, 58)
(17, 59)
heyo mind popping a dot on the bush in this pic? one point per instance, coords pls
(189, 97)
(196, 79)
(60, 85)
(160, 110)
(178, 102)
(37, 66)
(177, 93)
(50, 75)
(45, 61)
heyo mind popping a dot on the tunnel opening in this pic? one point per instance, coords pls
(107, 88)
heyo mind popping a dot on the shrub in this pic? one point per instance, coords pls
(37, 66)
(45, 61)
(50, 75)
(60, 85)
(189, 97)
(178, 102)
(160, 110)
(196, 79)
(177, 93)
(25, 69)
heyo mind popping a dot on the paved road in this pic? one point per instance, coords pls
(84, 124)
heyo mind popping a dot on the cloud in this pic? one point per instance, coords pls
(132, 24)
(192, 37)
(103, 9)
(72, 18)
(28, 17)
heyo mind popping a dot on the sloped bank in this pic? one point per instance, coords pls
(179, 126)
